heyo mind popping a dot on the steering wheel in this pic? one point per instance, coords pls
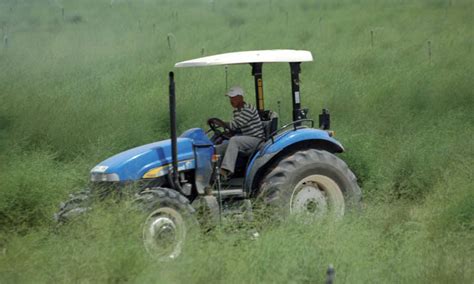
(220, 129)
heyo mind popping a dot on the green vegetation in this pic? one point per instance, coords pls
(396, 75)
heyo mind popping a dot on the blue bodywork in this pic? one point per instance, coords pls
(272, 147)
(133, 164)
(195, 151)
(203, 150)
(291, 137)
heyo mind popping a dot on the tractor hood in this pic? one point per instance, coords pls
(133, 164)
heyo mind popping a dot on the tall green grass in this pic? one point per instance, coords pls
(75, 90)
(393, 242)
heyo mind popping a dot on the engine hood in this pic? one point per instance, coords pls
(134, 163)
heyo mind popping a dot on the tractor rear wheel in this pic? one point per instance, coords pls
(312, 183)
(170, 219)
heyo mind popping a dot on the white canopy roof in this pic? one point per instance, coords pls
(254, 56)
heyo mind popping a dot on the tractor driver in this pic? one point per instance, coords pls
(245, 120)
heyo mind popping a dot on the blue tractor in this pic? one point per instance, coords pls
(293, 171)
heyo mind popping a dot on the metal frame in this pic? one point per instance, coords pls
(173, 177)
(257, 74)
(295, 68)
(295, 90)
(299, 115)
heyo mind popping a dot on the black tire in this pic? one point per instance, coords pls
(313, 182)
(170, 220)
(77, 204)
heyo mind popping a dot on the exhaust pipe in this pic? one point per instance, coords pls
(174, 180)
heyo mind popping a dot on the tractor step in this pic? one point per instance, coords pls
(225, 193)
(231, 189)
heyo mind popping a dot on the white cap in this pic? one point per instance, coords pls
(235, 91)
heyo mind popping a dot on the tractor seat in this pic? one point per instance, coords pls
(270, 125)
(270, 122)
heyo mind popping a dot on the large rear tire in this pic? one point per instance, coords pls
(170, 219)
(312, 183)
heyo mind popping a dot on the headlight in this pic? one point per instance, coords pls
(104, 177)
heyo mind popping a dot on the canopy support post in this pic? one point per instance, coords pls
(298, 113)
(257, 74)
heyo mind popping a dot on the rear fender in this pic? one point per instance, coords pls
(282, 146)
(288, 138)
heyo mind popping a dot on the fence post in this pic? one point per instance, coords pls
(331, 272)
(372, 38)
(5, 36)
(170, 37)
(429, 51)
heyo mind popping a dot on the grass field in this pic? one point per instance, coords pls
(82, 80)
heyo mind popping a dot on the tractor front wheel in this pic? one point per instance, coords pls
(312, 183)
(170, 219)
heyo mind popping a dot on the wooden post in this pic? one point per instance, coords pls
(330, 273)
(372, 39)
(429, 51)
(5, 36)
(174, 15)
(171, 41)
